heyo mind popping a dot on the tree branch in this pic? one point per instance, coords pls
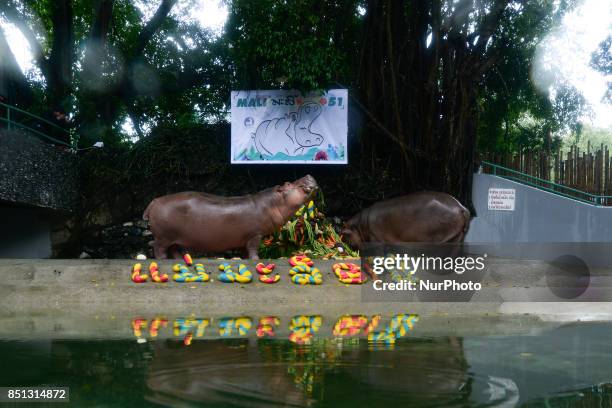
(152, 26)
(489, 25)
(62, 54)
(459, 16)
(136, 122)
(98, 37)
(103, 17)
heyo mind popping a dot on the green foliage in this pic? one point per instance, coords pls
(589, 136)
(185, 73)
(602, 61)
(305, 44)
(178, 76)
(514, 114)
(308, 232)
(157, 165)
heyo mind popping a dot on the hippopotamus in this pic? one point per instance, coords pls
(426, 216)
(290, 133)
(208, 223)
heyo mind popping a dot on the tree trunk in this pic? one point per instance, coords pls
(419, 78)
(59, 76)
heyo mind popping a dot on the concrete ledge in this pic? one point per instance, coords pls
(77, 298)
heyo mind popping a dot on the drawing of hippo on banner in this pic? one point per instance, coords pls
(289, 134)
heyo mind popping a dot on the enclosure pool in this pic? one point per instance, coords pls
(315, 360)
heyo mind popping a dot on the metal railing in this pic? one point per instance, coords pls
(9, 115)
(547, 185)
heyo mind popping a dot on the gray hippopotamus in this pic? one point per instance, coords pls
(289, 134)
(425, 216)
(209, 223)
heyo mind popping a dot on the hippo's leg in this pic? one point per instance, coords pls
(175, 252)
(159, 250)
(458, 237)
(252, 247)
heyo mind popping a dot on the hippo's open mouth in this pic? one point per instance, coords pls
(308, 184)
(308, 189)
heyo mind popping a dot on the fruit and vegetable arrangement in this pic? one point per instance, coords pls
(308, 232)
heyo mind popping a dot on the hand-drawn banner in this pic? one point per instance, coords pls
(281, 126)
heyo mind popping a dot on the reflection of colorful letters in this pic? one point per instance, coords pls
(349, 325)
(187, 326)
(399, 325)
(265, 327)
(138, 325)
(183, 326)
(373, 324)
(227, 326)
(402, 323)
(155, 326)
(302, 328)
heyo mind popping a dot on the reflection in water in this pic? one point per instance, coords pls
(266, 325)
(263, 372)
(302, 328)
(350, 325)
(599, 396)
(335, 366)
(308, 368)
(234, 326)
(182, 327)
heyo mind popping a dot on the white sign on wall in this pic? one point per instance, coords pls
(502, 199)
(281, 126)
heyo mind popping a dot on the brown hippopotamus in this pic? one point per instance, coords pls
(426, 216)
(209, 223)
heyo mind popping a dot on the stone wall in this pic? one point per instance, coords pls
(39, 195)
(37, 174)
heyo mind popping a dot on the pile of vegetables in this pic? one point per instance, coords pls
(307, 232)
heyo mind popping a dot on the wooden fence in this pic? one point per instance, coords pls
(589, 171)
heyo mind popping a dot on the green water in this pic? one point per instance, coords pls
(566, 366)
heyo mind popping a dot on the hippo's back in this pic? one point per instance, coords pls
(199, 220)
(426, 216)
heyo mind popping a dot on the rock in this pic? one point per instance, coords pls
(128, 224)
(84, 255)
(146, 233)
(99, 216)
(141, 224)
(141, 257)
(60, 237)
